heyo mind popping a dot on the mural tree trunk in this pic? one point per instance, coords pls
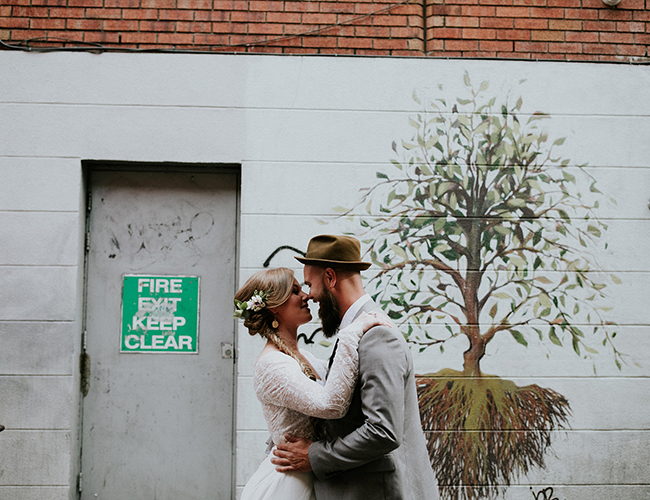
(479, 231)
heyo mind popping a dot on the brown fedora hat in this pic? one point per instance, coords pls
(334, 251)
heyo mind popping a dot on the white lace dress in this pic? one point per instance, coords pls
(289, 398)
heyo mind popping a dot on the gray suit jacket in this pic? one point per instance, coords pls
(377, 451)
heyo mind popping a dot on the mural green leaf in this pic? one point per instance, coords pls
(553, 337)
(519, 337)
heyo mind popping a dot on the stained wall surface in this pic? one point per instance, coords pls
(314, 136)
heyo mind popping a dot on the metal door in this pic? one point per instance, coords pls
(159, 425)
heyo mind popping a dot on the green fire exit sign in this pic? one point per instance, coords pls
(160, 314)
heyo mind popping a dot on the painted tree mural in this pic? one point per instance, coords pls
(483, 228)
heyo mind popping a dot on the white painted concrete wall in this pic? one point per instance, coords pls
(309, 132)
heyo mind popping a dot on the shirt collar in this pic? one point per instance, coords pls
(353, 310)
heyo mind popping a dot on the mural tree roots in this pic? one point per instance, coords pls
(484, 432)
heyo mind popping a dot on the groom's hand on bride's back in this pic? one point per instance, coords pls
(292, 456)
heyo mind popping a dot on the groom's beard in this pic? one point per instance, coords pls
(329, 313)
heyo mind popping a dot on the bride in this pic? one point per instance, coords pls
(289, 383)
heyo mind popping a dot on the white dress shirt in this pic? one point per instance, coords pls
(353, 310)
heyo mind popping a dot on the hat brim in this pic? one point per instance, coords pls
(361, 266)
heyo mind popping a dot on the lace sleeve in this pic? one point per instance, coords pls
(280, 381)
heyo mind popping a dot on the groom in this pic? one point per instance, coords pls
(377, 450)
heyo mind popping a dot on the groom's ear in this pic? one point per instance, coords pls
(329, 277)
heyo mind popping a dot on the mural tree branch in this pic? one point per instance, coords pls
(484, 229)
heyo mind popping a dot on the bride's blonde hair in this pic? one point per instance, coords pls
(278, 284)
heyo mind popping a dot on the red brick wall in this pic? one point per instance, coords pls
(539, 29)
(528, 29)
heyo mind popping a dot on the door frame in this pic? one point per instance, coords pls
(88, 166)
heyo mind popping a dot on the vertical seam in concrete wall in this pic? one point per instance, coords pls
(425, 28)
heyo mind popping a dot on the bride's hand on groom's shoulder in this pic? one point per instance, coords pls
(371, 319)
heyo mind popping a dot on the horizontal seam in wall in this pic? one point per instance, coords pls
(75, 212)
(279, 109)
(36, 429)
(573, 485)
(581, 378)
(264, 162)
(556, 431)
(53, 266)
(70, 321)
(567, 377)
(10, 430)
(643, 272)
(379, 215)
(36, 157)
(66, 486)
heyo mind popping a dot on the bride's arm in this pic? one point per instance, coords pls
(280, 381)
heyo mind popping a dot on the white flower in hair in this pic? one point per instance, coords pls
(257, 302)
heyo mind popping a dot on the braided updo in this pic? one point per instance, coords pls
(279, 283)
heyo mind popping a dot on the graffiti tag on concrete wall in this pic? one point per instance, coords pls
(545, 494)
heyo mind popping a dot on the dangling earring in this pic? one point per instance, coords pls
(275, 324)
